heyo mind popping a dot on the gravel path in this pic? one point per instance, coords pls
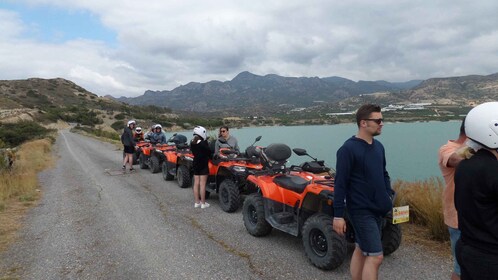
(92, 225)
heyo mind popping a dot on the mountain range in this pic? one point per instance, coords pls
(247, 92)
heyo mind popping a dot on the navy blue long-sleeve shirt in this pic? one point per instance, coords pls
(362, 183)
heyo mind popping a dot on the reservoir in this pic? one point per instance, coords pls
(411, 148)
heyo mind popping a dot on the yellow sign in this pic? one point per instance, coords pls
(401, 214)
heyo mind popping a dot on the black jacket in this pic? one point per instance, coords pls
(476, 200)
(127, 137)
(201, 151)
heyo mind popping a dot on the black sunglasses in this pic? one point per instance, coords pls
(377, 121)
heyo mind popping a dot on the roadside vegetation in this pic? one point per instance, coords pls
(14, 134)
(19, 185)
(425, 201)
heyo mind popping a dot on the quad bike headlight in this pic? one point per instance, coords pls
(237, 168)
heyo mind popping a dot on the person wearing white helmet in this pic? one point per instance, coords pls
(128, 144)
(476, 196)
(157, 137)
(202, 154)
(138, 135)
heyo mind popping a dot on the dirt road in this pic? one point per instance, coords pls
(91, 225)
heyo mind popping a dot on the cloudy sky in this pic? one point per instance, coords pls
(124, 47)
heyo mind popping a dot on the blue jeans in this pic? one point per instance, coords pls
(454, 236)
(367, 232)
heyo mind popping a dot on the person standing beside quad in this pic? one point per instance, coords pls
(228, 141)
(362, 185)
(476, 196)
(202, 154)
(128, 144)
(449, 158)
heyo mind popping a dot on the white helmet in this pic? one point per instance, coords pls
(131, 122)
(158, 125)
(201, 131)
(138, 129)
(481, 124)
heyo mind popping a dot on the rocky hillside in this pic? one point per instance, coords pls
(248, 92)
(456, 90)
(37, 93)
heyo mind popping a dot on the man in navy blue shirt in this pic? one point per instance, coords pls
(362, 186)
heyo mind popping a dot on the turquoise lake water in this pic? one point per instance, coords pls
(411, 148)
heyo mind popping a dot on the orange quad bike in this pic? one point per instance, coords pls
(140, 145)
(178, 162)
(299, 201)
(150, 156)
(228, 172)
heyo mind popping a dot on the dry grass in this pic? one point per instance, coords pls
(425, 201)
(19, 186)
(21, 181)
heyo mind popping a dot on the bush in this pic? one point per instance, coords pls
(426, 204)
(120, 116)
(15, 134)
(118, 125)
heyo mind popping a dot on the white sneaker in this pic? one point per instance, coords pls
(204, 205)
(197, 205)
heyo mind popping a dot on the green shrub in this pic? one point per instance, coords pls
(14, 134)
(118, 125)
(120, 116)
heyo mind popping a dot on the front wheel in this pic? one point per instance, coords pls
(135, 158)
(391, 238)
(143, 161)
(183, 177)
(323, 246)
(253, 212)
(229, 196)
(154, 164)
(165, 170)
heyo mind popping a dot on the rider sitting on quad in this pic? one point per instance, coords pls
(138, 135)
(157, 137)
(225, 141)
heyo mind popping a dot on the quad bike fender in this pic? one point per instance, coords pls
(265, 184)
(170, 157)
(159, 155)
(185, 160)
(321, 202)
(146, 151)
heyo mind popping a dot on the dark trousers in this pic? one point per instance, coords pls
(476, 264)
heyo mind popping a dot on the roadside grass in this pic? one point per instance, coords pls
(19, 186)
(425, 200)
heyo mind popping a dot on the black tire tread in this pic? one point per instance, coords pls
(233, 196)
(337, 245)
(165, 171)
(262, 227)
(183, 175)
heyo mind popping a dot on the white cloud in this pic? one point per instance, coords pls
(162, 44)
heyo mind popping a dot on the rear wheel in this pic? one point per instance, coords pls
(165, 170)
(135, 158)
(391, 238)
(183, 177)
(229, 196)
(154, 164)
(253, 212)
(143, 161)
(323, 246)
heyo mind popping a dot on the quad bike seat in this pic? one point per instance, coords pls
(294, 183)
